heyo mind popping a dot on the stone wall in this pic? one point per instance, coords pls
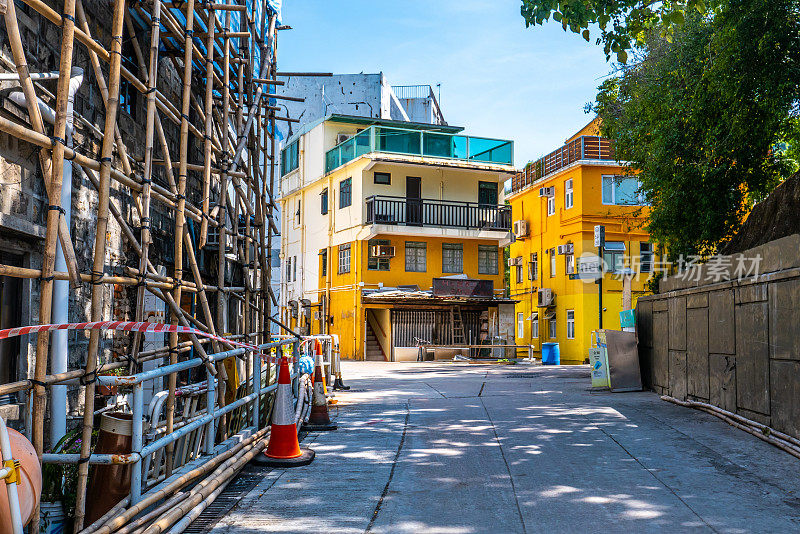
(731, 342)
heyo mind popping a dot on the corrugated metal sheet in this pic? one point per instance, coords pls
(432, 326)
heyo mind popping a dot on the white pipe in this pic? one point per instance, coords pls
(13, 496)
(14, 77)
(60, 354)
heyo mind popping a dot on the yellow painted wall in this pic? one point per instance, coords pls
(575, 225)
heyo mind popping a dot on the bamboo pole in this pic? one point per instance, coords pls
(99, 251)
(209, 103)
(179, 218)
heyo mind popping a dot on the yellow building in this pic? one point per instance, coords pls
(556, 202)
(392, 235)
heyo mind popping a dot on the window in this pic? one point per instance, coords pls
(323, 258)
(382, 178)
(376, 263)
(568, 195)
(323, 202)
(622, 191)
(416, 256)
(487, 260)
(519, 276)
(344, 258)
(551, 324)
(520, 325)
(452, 258)
(570, 324)
(645, 257)
(552, 263)
(297, 214)
(294, 268)
(289, 158)
(533, 267)
(535, 326)
(614, 256)
(289, 269)
(345, 192)
(487, 193)
(551, 206)
(569, 263)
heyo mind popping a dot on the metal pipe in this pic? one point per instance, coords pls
(136, 446)
(210, 403)
(13, 496)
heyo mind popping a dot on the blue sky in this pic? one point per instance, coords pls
(499, 79)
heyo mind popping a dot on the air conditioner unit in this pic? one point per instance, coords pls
(545, 297)
(341, 138)
(513, 262)
(383, 251)
(566, 249)
(547, 191)
(520, 229)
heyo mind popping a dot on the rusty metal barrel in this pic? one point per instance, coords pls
(109, 484)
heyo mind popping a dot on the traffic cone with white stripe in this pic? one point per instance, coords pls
(319, 419)
(284, 449)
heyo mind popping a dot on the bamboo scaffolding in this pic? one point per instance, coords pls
(219, 109)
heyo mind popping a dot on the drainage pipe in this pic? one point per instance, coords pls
(60, 352)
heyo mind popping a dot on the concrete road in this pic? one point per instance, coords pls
(460, 448)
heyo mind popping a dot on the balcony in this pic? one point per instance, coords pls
(446, 213)
(422, 143)
(585, 147)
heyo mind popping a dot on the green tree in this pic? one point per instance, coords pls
(706, 110)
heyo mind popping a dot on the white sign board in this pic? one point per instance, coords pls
(599, 235)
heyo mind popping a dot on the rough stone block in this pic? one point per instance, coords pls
(697, 300)
(660, 351)
(722, 381)
(752, 357)
(697, 352)
(677, 374)
(784, 320)
(785, 394)
(751, 293)
(677, 323)
(721, 322)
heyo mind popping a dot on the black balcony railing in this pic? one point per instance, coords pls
(425, 212)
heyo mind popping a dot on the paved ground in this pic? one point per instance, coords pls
(459, 448)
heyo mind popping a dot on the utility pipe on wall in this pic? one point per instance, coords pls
(60, 353)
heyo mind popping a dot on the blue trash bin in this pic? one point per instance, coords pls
(550, 354)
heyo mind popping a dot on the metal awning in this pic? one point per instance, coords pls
(550, 316)
(534, 316)
(614, 245)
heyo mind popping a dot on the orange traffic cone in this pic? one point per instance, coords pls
(284, 449)
(319, 419)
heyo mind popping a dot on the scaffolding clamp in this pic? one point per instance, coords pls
(13, 475)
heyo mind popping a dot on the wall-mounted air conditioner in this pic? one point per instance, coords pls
(520, 229)
(566, 249)
(513, 262)
(545, 297)
(383, 251)
(342, 137)
(547, 191)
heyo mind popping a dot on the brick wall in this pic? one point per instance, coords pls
(731, 342)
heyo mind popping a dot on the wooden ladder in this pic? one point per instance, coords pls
(458, 325)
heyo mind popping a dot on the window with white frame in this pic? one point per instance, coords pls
(294, 268)
(533, 267)
(645, 257)
(551, 206)
(344, 258)
(570, 324)
(289, 269)
(520, 277)
(520, 325)
(614, 256)
(568, 195)
(416, 256)
(552, 263)
(551, 324)
(452, 258)
(569, 263)
(535, 326)
(487, 259)
(622, 191)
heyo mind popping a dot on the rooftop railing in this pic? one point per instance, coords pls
(585, 147)
(420, 143)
